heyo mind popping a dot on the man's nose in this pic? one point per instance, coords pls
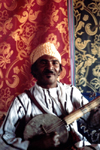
(50, 65)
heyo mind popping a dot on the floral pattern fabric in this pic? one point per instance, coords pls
(23, 26)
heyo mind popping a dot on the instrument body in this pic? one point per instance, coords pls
(47, 123)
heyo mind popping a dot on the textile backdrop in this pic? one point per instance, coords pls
(87, 47)
(23, 25)
(87, 61)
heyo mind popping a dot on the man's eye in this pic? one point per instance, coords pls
(56, 63)
(43, 62)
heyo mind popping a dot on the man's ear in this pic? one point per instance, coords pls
(34, 70)
(60, 70)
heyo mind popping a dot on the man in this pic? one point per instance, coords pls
(47, 96)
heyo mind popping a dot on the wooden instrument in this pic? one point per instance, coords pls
(47, 123)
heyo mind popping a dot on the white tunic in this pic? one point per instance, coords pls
(58, 101)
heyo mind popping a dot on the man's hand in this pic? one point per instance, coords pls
(45, 141)
(51, 140)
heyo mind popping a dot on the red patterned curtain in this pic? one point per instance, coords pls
(23, 25)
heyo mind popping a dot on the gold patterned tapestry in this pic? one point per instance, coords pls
(23, 25)
(87, 46)
(87, 61)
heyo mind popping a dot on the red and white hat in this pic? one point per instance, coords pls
(44, 49)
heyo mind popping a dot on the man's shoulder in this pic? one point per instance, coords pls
(65, 85)
(24, 94)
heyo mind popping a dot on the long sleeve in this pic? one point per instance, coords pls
(59, 101)
(9, 131)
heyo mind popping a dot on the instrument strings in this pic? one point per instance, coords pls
(49, 129)
(61, 122)
(54, 126)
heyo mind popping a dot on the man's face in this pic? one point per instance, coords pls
(48, 70)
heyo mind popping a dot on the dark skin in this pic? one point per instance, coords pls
(47, 71)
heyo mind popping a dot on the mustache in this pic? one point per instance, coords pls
(48, 71)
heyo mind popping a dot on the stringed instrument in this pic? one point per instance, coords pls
(47, 123)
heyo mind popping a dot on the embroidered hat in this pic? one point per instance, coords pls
(44, 49)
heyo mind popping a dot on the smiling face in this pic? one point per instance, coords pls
(48, 70)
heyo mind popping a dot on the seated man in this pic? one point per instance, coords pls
(47, 96)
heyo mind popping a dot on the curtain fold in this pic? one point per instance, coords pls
(71, 39)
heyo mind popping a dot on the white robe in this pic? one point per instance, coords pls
(59, 101)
